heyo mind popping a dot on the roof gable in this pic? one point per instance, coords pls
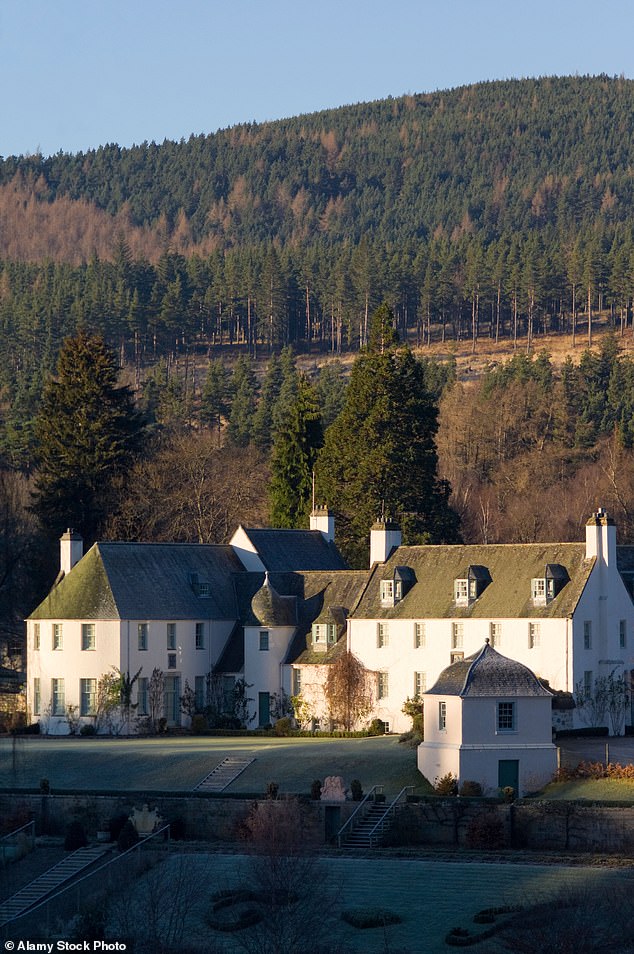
(290, 550)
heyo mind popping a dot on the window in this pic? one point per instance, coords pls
(387, 592)
(506, 716)
(538, 590)
(442, 716)
(200, 635)
(171, 660)
(495, 634)
(382, 685)
(457, 635)
(419, 635)
(87, 635)
(58, 703)
(199, 693)
(37, 697)
(297, 681)
(264, 640)
(171, 635)
(420, 684)
(87, 696)
(204, 590)
(534, 635)
(142, 633)
(58, 636)
(455, 656)
(622, 633)
(142, 696)
(461, 592)
(36, 636)
(229, 694)
(382, 635)
(323, 632)
(391, 592)
(587, 634)
(587, 682)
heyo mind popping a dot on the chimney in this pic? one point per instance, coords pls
(321, 519)
(385, 536)
(601, 538)
(71, 550)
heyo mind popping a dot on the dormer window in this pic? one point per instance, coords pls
(545, 588)
(471, 585)
(202, 588)
(391, 592)
(324, 633)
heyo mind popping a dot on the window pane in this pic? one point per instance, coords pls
(87, 635)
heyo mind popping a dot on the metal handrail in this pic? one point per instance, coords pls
(17, 831)
(388, 811)
(375, 790)
(74, 885)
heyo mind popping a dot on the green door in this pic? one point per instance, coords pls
(264, 708)
(509, 774)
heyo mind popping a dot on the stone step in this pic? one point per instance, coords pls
(224, 774)
(38, 889)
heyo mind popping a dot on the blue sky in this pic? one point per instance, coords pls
(76, 74)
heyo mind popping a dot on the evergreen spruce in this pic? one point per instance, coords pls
(297, 441)
(240, 429)
(379, 455)
(87, 430)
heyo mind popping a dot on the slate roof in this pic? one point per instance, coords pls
(271, 608)
(146, 581)
(487, 673)
(511, 566)
(283, 550)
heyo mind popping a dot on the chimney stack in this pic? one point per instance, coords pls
(321, 519)
(601, 538)
(71, 550)
(385, 536)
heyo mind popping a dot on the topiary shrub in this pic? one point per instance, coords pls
(115, 825)
(45, 786)
(75, 837)
(369, 917)
(87, 730)
(199, 724)
(128, 837)
(272, 790)
(376, 727)
(178, 829)
(447, 785)
(283, 726)
(315, 790)
(356, 790)
(471, 789)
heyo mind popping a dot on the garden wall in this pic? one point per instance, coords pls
(449, 822)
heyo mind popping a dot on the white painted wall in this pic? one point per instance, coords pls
(263, 670)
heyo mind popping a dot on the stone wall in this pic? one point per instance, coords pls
(441, 822)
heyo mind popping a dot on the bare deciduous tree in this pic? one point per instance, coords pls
(349, 691)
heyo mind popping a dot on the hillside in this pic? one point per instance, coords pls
(481, 160)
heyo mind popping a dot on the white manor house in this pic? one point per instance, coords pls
(274, 608)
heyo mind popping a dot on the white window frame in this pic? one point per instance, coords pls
(88, 640)
(142, 637)
(170, 636)
(382, 635)
(37, 696)
(420, 684)
(387, 592)
(495, 634)
(199, 637)
(420, 635)
(587, 634)
(297, 681)
(142, 695)
(534, 635)
(588, 682)
(36, 636)
(382, 685)
(442, 716)
(58, 697)
(457, 635)
(264, 641)
(506, 716)
(87, 697)
(57, 637)
(622, 633)
(538, 590)
(199, 692)
(461, 592)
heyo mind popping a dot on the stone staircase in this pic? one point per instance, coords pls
(224, 774)
(38, 889)
(361, 835)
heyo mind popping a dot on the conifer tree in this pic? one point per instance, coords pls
(87, 431)
(379, 455)
(215, 398)
(240, 429)
(297, 441)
